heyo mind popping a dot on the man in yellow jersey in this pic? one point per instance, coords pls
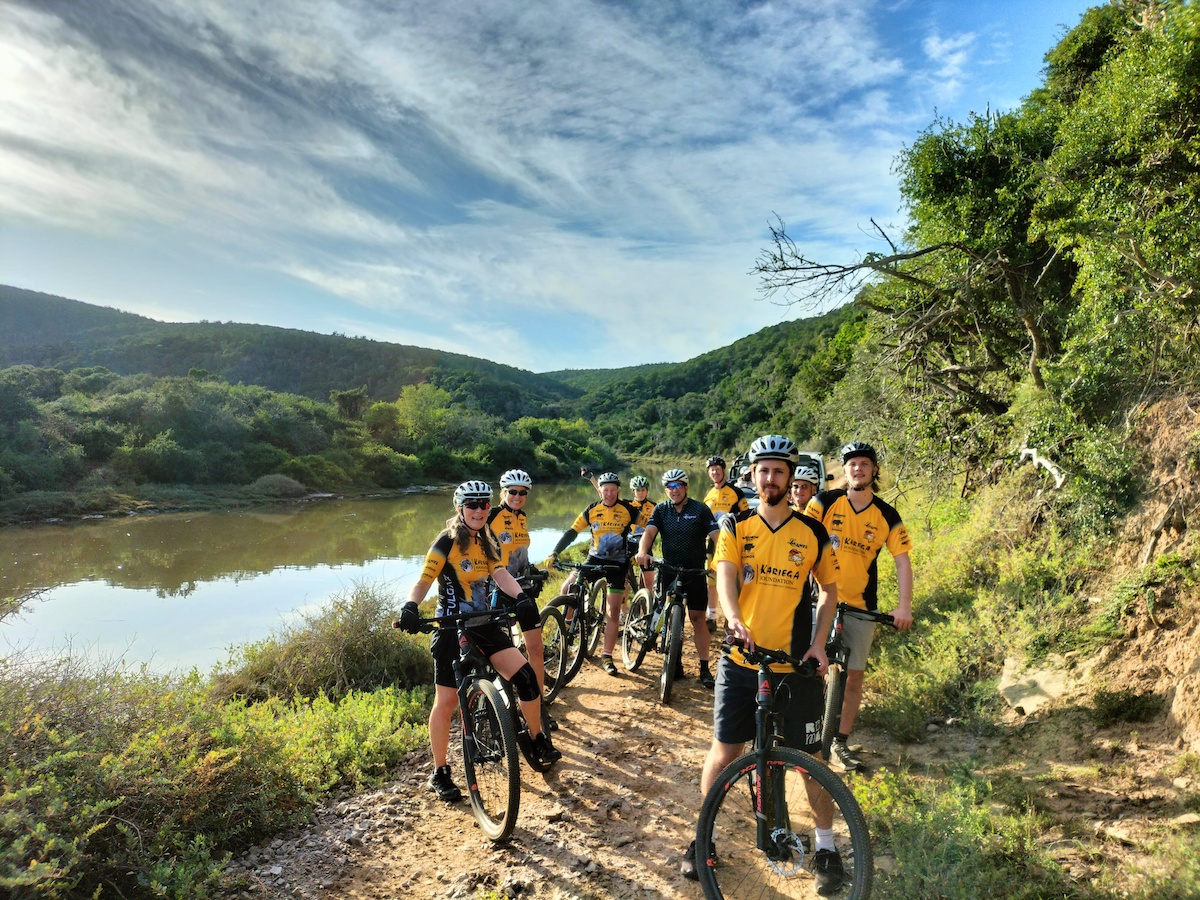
(610, 521)
(805, 483)
(507, 522)
(859, 526)
(640, 485)
(763, 561)
(722, 498)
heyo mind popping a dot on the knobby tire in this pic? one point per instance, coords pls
(728, 823)
(492, 766)
(835, 693)
(576, 633)
(672, 651)
(638, 634)
(554, 655)
(598, 603)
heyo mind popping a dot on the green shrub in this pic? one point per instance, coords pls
(276, 486)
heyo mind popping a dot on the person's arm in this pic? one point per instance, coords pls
(904, 581)
(645, 544)
(727, 595)
(826, 607)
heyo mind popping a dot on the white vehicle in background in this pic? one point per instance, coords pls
(739, 472)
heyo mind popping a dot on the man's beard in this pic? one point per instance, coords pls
(772, 499)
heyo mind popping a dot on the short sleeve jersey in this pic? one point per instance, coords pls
(858, 537)
(684, 532)
(609, 526)
(645, 511)
(773, 566)
(513, 534)
(462, 578)
(725, 499)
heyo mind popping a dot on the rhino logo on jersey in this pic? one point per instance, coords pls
(747, 574)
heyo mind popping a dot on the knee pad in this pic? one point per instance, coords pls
(525, 682)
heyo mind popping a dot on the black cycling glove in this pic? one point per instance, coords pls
(410, 618)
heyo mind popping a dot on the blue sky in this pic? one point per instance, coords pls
(546, 184)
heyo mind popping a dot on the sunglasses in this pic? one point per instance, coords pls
(477, 504)
(674, 485)
(515, 492)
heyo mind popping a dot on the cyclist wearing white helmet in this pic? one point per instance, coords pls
(805, 483)
(640, 485)
(686, 526)
(461, 560)
(763, 559)
(507, 522)
(722, 498)
(610, 521)
(860, 525)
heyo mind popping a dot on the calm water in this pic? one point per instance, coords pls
(178, 590)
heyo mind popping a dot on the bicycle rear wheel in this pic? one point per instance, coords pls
(638, 634)
(490, 760)
(672, 651)
(728, 825)
(598, 602)
(835, 693)
(575, 636)
(554, 652)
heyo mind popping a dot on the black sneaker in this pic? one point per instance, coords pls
(706, 679)
(607, 664)
(545, 752)
(843, 758)
(827, 868)
(549, 721)
(679, 673)
(687, 868)
(443, 785)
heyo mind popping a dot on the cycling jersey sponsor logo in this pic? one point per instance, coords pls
(796, 556)
(869, 534)
(836, 541)
(764, 569)
(505, 537)
(466, 566)
(747, 573)
(838, 521)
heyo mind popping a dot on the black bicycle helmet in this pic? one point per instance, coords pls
(715, 461)
(858, 448)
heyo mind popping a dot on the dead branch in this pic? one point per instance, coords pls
(1049, 465)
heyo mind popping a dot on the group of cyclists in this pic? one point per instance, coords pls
(776, 571)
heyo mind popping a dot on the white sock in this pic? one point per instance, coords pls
(825, 839)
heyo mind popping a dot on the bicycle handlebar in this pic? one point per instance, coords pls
(583, 567)
(868, 615)
(495, 613)
(657, 562)
(761, 655)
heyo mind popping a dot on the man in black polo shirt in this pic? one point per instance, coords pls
(686, 526)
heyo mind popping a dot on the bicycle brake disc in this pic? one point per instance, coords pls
(792, 847)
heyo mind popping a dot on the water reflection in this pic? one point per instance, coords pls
(178, 590)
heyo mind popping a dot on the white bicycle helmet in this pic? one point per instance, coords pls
(809, 474)
(774, 446)
(608, 478)
(637, 482)
(674, 475)
(517, 478)
(471, 490)
(858, 448)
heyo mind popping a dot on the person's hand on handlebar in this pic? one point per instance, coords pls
(410, 618)
(817, 654)
(737, 629)
(645, 560)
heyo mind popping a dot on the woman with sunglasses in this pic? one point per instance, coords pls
(507, 522)
(461, 560)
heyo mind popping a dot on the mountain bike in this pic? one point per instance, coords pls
(656, 623)
(584, 611)
(756, 829)
(554, 627)
(838, 655)
(493, 727)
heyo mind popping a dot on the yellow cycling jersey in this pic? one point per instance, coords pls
(645, 511)
(725, 499)
(858, 537)
(773, 567)
(462, 578)
(609, 526)
(513, 534)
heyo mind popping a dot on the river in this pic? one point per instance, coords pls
(179, 590)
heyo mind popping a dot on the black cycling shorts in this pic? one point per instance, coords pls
(490, 637)
(801, 698)
(614, 573)
(694, 588)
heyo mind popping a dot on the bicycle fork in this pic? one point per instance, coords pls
(785, 850)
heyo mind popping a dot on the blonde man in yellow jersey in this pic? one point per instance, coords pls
(763, 561)
(722, 498)
(860, 525)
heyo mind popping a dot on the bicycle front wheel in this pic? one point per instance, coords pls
(554, 652)
(638, 633)
(787, 865)
(672, 651)
(835, 693)
(598, 603)
(575, 636)
(490, 760)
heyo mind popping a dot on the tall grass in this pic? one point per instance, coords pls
(131, 784)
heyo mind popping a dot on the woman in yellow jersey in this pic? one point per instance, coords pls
(722, 498)
(461, 560)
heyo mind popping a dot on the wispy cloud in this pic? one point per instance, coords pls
(499, 163)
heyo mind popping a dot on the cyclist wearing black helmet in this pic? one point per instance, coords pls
(722, 498)
(860, 525)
